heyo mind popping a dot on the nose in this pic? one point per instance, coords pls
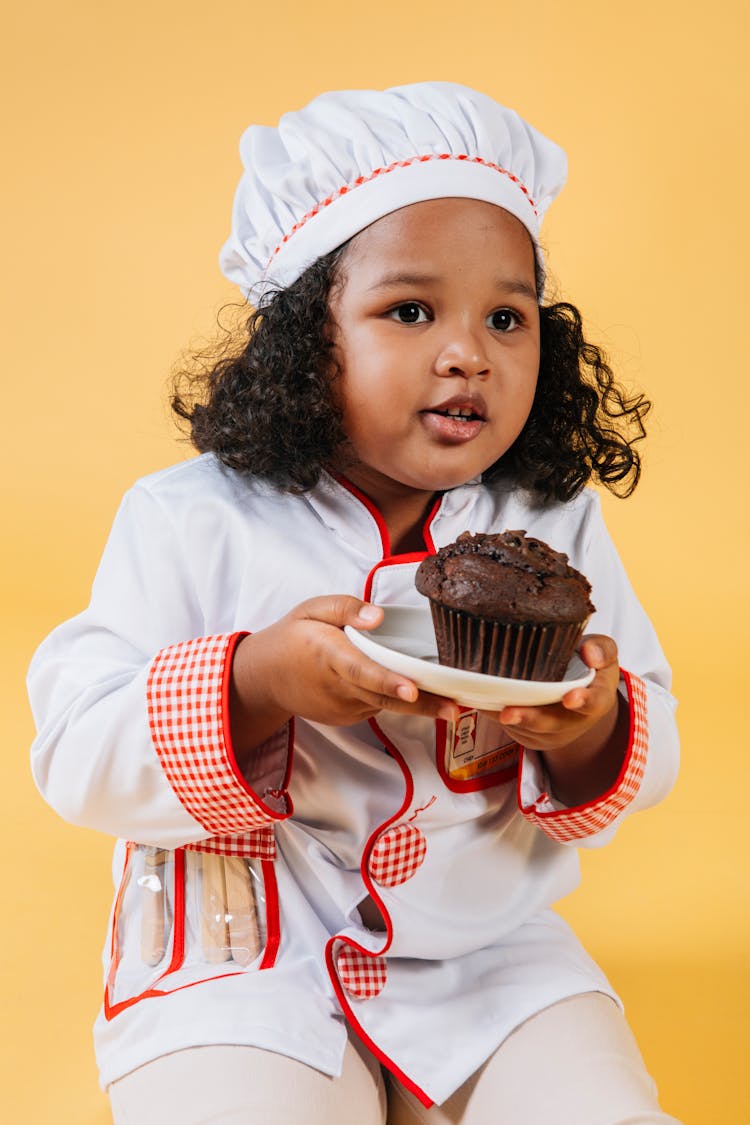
(463, 354)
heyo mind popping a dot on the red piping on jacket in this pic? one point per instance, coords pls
(396, 1071)
(332, 970)
(387, 560)
(385, 539)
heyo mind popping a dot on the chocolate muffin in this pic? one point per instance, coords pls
(505, 604)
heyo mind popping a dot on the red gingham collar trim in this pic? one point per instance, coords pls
(346, 188)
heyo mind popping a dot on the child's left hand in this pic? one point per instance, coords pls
(584, 737)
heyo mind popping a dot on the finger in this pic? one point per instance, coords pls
(586, 702)
(593, 700)
(365, 675)
(385, 689)
(410, 700)
(582, 699)
(599, 694)
(542, 720)
(598, 651)
(341, 609)
(426, 704)
(381, 687)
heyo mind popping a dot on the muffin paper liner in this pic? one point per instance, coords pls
(518, 652)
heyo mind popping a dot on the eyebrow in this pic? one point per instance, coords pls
(392, 280)
(517, 285)
(506, 284)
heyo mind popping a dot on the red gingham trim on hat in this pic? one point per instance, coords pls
(397, 855)
(573, 824)
(188, 712)
(391, 168)
(361, 974)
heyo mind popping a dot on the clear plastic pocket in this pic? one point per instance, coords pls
(185, 916)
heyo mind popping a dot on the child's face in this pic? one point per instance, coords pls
(437, 313)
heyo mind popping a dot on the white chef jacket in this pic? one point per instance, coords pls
(131, 702)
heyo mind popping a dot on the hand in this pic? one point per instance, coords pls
(585, 735)
(559, 724)
(305, 665)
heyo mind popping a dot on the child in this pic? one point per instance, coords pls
(316, 918)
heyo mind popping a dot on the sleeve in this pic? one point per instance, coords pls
(651, 760)
(130, 699)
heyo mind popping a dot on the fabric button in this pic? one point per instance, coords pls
(361, 975)
(397, 855)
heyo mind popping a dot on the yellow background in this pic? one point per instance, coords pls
(120, 154)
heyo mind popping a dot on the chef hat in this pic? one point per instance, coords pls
(352, 156)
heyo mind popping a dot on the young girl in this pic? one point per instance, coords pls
(317, 918)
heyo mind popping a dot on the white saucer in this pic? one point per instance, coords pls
(405, 643)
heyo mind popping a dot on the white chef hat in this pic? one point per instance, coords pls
(351, 156)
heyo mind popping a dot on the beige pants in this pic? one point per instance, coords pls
(575, 1063)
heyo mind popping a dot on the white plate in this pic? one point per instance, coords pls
(405, 643)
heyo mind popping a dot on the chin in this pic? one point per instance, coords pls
(440, 478)
(438, 483)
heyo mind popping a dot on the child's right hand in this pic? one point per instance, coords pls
(305, 665)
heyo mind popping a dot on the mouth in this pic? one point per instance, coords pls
(463, 409)
(455, 421)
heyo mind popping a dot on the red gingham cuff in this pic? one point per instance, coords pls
(188, 712)
(571, 824)
(260, 844)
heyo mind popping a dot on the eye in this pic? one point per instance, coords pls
(503, 320)
(409, 313)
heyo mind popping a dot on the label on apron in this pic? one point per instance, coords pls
(477, 745)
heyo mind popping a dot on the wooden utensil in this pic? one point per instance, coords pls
(214, 929)
(153, 944)
(242, 919)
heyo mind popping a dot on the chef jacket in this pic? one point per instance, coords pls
(461, 871)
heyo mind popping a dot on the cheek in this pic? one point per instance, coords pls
(517, 412)
(364, 411)
(527, 377)
(531, 386)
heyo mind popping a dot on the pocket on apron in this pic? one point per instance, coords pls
(186, 916)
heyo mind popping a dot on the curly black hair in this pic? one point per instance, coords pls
(583, 425)
(266, 407)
